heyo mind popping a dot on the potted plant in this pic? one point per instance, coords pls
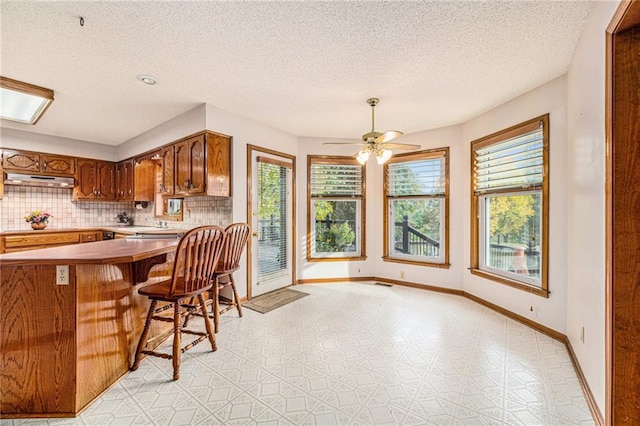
(38, 219)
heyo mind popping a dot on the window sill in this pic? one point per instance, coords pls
(511, 283)
(416, 262)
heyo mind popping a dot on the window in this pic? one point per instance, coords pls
(416, 202)
(335, 219)
(509, 211)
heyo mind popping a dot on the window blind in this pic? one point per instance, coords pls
(336, 180)
(419, 177)
(513, 163)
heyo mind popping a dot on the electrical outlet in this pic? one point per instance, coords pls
(402, 274)
(582, 333)
(62, 274)
(358, 270)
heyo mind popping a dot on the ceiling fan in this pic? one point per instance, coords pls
(375, 142)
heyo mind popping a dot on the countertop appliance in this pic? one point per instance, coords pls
(108, 235)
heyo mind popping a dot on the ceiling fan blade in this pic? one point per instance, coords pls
(408, 146)
(343, 143)
(388, 135)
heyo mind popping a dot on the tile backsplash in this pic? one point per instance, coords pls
(19, 201)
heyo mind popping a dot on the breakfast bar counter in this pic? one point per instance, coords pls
(70, 320)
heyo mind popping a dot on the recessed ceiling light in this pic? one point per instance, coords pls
(147, 79)
(23, 102)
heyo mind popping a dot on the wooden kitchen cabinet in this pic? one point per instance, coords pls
(144, 175)
(32, 162)
(203, 165)
(95, 181)
(167, 170)
(90, 237)
(124, 180)
(190, 174)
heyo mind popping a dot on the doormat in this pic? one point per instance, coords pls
(275, 299)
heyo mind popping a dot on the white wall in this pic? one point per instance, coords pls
(585, 172)
(245, 132)
(185, 124)
(549, 98)
(19, 139)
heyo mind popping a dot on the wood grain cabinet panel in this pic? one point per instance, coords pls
(182, 168)
(95, 181)
(124, 180)
(167, 173)
(48, 164)
(218, 165)
(58, 165)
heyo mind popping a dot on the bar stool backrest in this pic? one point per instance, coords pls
(197, 256)
(237, 235)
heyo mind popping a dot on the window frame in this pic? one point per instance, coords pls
(477, 213)
(388, 256)
(361, 208)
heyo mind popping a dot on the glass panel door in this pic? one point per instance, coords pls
(272, 266)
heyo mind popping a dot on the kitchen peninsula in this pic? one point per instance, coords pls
(70, 320)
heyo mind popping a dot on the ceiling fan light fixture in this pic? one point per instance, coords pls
(383, 155)
(363, 156)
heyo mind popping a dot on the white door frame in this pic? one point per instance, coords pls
(252, 152)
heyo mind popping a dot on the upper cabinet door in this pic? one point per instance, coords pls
(198, 171)
(167, 156)
(106, 175)
(58, 164)
(85, 188)
(124, 180)
(20, 160)
(183, 169)
(218, 165)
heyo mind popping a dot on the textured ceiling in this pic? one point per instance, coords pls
(303, 67)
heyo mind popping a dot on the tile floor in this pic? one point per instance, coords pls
(360, 354)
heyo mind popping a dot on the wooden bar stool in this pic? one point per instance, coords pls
(197, 255)
(237, 235)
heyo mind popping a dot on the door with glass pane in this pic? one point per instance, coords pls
(272, 201)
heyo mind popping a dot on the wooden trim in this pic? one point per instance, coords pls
(444, 265)
(414, 156)
(275, 162)
(508, 133)
(621, 272)
(29, 89)
(333, 280)
(510, 283)
(588, 395)
(336, 159)
(428, 287)
(475, 213)
(526, 321)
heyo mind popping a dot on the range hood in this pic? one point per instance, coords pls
(38, 180)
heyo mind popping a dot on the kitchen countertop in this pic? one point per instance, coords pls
(100, 252)
(129, 230)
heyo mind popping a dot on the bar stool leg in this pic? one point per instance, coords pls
(142, 343)
(177, 340)
(235, 295)
(216, 304)
(207, 323)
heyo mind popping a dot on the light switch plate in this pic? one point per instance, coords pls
(62, 274)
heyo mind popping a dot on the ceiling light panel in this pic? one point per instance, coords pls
(23, 102)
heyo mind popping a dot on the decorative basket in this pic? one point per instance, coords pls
(38, 225)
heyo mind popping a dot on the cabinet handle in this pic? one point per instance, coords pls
(44, 165)
(37, 164)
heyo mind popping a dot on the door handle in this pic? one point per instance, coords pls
(255, 234)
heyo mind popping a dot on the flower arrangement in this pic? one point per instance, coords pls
(37, 217)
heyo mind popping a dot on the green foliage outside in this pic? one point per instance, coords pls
(270, 191)
(513, 219)
(340, 234)
(423, 214)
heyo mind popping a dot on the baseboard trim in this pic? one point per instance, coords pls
(588, 395)
(437, 289)
(591, 401)
(334, 280)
